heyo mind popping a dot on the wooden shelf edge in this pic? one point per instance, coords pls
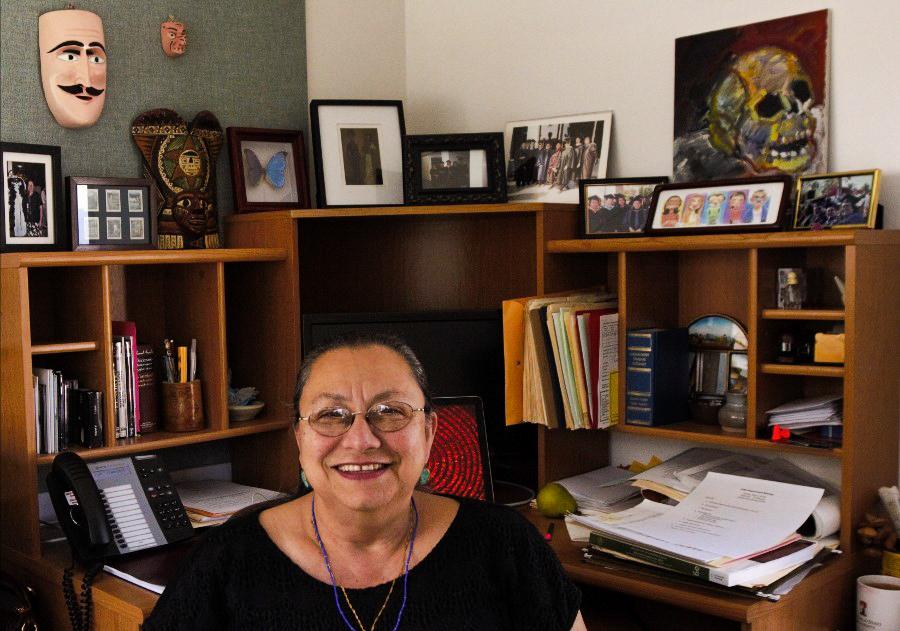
(164, 440)
(143, 257)
(63, 347)
(727, 440)
(399, 211)
(802, 370)
(803, 314)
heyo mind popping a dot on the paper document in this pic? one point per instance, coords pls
(735, 516)
(217, 497)
(600, 488)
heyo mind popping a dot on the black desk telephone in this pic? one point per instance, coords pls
(112, 507)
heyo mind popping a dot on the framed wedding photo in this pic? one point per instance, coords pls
(358, 152)
(112, 213)
(735, 205)
(34, 216)
(268, 169)
(837, 200)
(616, 207)
(454, 169)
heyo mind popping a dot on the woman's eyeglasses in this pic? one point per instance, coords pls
(390, 416)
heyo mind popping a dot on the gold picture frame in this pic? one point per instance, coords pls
(836, 201)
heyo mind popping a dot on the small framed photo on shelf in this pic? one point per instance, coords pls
(112, 213)
(358, 152)
(837, 200)
(454, 169)
(34, 217)
(736, 205)
(268, 169)
(616, 207)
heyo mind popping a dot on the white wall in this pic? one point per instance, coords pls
(473, 65)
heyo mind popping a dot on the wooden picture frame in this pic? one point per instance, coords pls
(830, 201)
(268, 169)
(34, 212)
(601, 220)
(717, 206)
(454, 169)
(358, 152)
(112, 213)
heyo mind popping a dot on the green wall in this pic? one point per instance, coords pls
(245, 62)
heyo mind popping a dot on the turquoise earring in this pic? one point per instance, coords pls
(424, 476)
(303, 480)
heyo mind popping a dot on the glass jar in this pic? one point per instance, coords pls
(733, 415)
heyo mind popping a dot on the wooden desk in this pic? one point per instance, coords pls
(824, 597)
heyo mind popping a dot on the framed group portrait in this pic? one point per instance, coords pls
(616, 207)
(358, 152)
(736, 205)
(33, 208)
(268, 169)
(454, 169)
(838, 200)
(112, 213)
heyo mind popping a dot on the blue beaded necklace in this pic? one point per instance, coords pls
(337, 600)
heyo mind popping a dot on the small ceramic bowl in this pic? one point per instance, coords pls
(245, 412)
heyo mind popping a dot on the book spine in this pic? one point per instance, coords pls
(120, 400)
(147, 386)
(90, 417)
(658, 559)
(640, 359)
(130, 384)
(608, 371)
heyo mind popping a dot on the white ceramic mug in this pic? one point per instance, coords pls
(877, 603)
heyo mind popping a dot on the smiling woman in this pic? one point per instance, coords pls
(365, 549)
(73, 66)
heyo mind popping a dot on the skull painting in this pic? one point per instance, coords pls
(760, 112)
(181, 159)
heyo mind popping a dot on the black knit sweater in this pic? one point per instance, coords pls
(491, 570)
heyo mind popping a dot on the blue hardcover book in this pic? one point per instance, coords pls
(657, 376)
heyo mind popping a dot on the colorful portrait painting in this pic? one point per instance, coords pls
(752, 100)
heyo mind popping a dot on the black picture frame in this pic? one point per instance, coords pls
(329, 192)
(450, 189)
(725, 208)
(22, 162)
(136, 227)
(618, 218)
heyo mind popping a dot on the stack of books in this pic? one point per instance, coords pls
(65, 415)
(126, 394)
(213, 502)
(561, 358)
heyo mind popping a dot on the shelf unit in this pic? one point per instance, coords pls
(57, 312)
(670, 281)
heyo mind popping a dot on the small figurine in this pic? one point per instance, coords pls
(174, 37)
(787, 352)
(791, 288)
(73, 66)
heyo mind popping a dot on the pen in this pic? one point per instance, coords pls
(193, 370)
(182, 364)
(549, 534)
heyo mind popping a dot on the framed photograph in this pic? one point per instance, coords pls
(617, 207)
(112, 213)
(739, 205)
(547, 157)
(454, 169)
(33, 208)
(358, 152)
(268, 169)
(837, 200)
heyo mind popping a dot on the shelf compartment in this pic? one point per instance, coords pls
(164, 440)
(827, 315)
(820, 264)
(803, 370)
(63, 347)
(713, 434)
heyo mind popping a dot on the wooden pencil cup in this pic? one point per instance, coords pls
(182, 405)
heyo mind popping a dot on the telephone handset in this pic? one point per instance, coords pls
(114, 507)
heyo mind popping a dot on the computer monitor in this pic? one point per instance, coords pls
(459, 462)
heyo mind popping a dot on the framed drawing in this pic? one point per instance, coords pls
(358, 152)
(268, 169)
(547, 157)
(837, 200)
(112, 213)
(616, 207)
(33, 209)
(454, 169)
(739, 205)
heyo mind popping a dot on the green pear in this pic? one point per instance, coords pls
(555, 501)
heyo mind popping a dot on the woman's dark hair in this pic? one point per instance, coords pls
(361, 340)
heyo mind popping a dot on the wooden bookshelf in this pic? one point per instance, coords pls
(63, 347)
(803, 314)
(808, 370)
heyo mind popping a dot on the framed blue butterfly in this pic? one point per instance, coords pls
(273, 172)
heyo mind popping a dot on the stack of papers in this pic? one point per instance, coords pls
(601, 490)
(807, 413)
(212, 502)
